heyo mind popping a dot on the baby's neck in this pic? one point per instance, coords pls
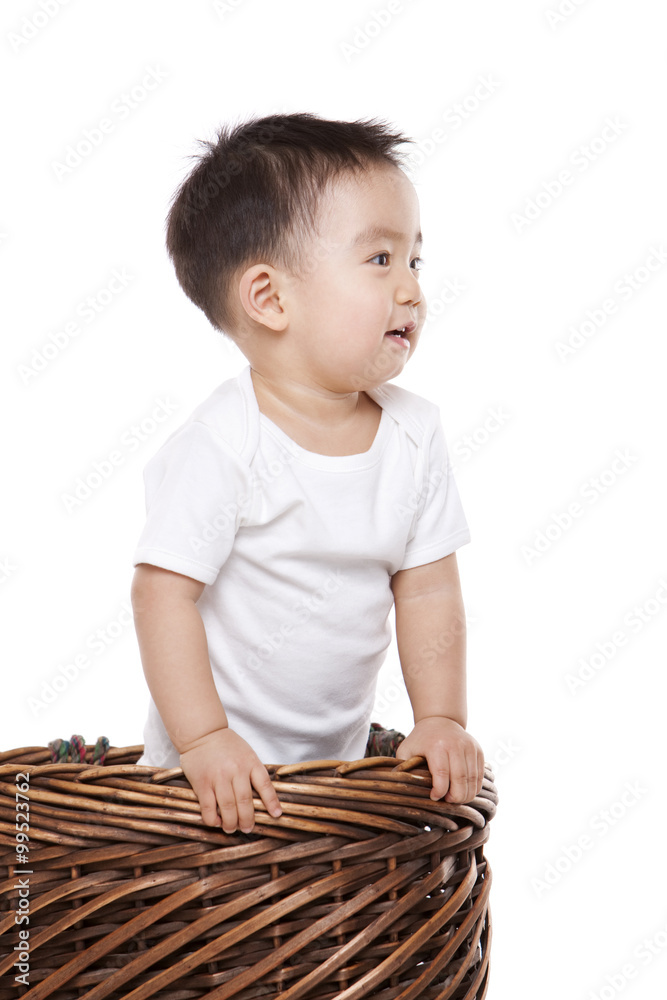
(346, 425)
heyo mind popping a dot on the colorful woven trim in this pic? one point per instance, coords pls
(75, 748)
(382, 742)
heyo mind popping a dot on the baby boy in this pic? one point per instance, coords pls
(307, 495)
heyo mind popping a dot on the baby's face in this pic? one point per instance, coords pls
(360, 280)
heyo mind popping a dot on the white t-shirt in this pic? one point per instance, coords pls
(296, 550)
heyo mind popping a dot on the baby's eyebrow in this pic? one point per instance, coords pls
(373, 233)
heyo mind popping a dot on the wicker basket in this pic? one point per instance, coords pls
(363, 887)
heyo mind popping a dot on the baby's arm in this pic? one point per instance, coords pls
(221, 767)
(430, 634)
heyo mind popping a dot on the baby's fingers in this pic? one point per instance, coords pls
(226, 797)
(461, 786)
(439, 766)
(266, 791)
(244, 805)
(208, 808)
(464, 776)
(480, 769)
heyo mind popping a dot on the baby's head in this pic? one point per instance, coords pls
(277, 235)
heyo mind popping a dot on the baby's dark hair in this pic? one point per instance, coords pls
(253, 196)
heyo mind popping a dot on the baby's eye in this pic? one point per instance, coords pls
(415, 264)
(384, 253)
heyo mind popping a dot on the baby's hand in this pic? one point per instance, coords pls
(223, 770)
(455, 759)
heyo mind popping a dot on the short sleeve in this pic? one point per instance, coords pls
(197, 493)
(439, 526)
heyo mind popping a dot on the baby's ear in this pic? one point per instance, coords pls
(260, 296)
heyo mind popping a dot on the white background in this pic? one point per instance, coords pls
(562, 756)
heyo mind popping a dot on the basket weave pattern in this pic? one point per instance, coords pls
(363, 887)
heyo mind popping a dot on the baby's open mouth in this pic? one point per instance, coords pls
(398, 336)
